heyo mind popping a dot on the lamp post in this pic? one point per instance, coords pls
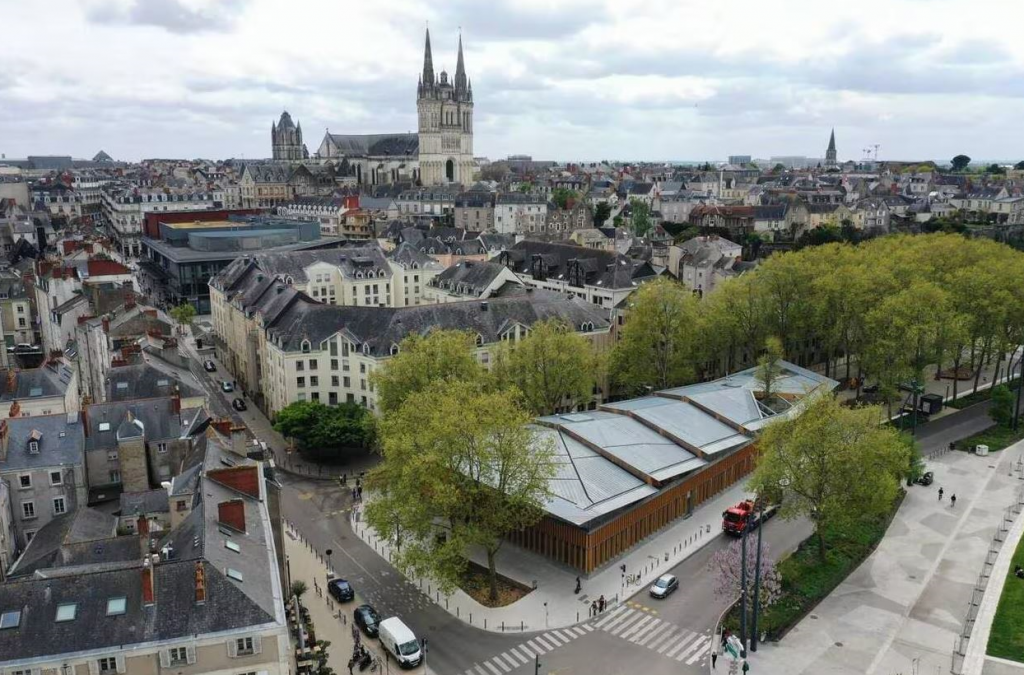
(743, 591)
(783, 484)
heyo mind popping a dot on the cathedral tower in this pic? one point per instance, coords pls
(445, 111)
(830, 154)
(286, 140)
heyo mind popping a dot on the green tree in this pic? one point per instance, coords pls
(554, 368)
(995, 169)
(441, 355)
(299, 588)
(658, 343)
(779, 168)
(960, 162)
(1001, 411)
(1019, 166)
(617, 221)
(462, 467)
(184, 314)
(640, 217)
(769, 369)
(562, 196)
(601, 213)
(837, 465)
(325, 433)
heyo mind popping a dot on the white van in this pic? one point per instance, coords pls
(400, 642)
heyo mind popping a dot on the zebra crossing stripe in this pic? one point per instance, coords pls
(625, 615)
(699, 653)
(679, 645)
(576, 629)
(624, 624)
(668, 643)
(653, 629)
(537, 647)
(614, 613)
(526, 650)
(512, 662)
(587, 627)
(495, 670)
(546, 643)
(479, 670)
(518, 655)
(686, 652)
(555, 639)
(566, 634)
(636, 626)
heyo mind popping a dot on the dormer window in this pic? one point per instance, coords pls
(366, 348)
(394, 349)
(305, 346)
(479, 340)
(359, 275)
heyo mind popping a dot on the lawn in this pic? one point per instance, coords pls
(806, 581)
(980, 396)
(995, 437)
(1007, 639)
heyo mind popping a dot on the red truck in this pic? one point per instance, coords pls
(746, 516)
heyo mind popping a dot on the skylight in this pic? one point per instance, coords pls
(66, 611)
(11, 619)
(234, 574)
(116, 606)
(122, 385)
(162, 383)
(232, 546)
(104, 426)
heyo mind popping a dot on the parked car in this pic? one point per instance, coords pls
(367, 618)
(341, 590)
(665, 584)
(209, 366)
(925, 478)
(238, 404)
(227, 387)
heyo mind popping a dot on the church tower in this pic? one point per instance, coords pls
(286, 140)
(445, 111)
(830, 154)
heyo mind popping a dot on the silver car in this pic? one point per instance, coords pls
(665, 584)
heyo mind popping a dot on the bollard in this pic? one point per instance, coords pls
(437, 597)
(471, 618)
(485, 623)
(577, 617)
(456, 611)
(522, 626)
(502, 626)
(446, 603)
(428, 589)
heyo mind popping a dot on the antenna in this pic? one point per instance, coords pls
(871, 152)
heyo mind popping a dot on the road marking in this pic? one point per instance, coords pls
(576, 629)
(557, 639)
(479, 670)
(337, 547)
(660, 632)
(544, 643)
(614, 613)
(493, 669)
(518, 655)
(511, 661)
(683, 654)
(567, 634)
(632, 619)
(679, 645)
(636, 626)
(501, 664)
(664, 644)
(587, 627)
(526, 650)
(537, 649)
(653, 629)
(619, 618)
(699, 653)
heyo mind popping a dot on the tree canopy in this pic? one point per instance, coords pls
(960, 162)
(326, 433)
(1019, 166)
(562, 196)
(640, 217)
(833, 464)
(461, 468)
(184, 314)
(602, 212)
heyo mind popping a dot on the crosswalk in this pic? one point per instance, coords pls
(666, 638)
(523, 654)
(624, 622)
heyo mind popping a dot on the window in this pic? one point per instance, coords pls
(115, 476)
(312, 364)
(33, 447)
(66, 612)
(178, 656)
(314, 381)
(334, 364)
(305, 346)
(300, 382)
(10, 619)
(28, 510)
(59, 506)
(243, 646)
(104, 426)
(116, 605)
(347, 381)
(232, 546)
(25, 481)
(300, 365)
(334, 380)
(181, 505)
(234, 574)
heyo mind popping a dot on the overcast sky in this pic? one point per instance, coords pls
(556, 79)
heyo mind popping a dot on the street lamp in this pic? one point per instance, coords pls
(783, 484)
(330, 570)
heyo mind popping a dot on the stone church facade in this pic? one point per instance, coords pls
(286, 140)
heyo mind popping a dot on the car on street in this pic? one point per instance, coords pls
(227, 387)
(238, 404)
(209, 366)
(341, 590)
(925, 478)
(665, 584)
(367, 618)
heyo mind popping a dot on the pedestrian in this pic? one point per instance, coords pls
(940, 494)
(725, 638)
(351, 662)
(578, 585)
(952, 500)
(714, 658)
(600, 604)
(593, 608)
(344, 479)
(359, 491)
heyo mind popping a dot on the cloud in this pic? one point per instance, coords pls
(174, 16)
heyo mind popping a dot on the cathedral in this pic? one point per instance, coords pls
(286, 140)
(440, 153)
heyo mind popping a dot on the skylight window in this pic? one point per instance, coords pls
(116, 606)
(162, 383)
(66, 611)
(234, 574)
(232, 546)
(104, 426)
(122, 385)
(11, 619)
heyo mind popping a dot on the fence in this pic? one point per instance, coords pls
(978, 591)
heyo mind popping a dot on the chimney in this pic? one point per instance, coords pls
(232, 514)
(176, 401)
(143, 526)
(15, 410)
(483, 306)
(222, 425)
(200, 583)
(106, 324)
(148, 585)
(4, 435)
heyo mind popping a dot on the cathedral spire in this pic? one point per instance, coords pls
(428, 64)
(460, 71)
(832, 141)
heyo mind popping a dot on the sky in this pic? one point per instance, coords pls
(568, 80)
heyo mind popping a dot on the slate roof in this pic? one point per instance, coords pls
(435, 246)
(242, 272)
(468, 277)
(49, 380)
(82, 537)
(138, 381)
(269, 173)
(61, 442)
(149, 501)
(156, 416)
(376, 145)
(408, 255)
(378, 328)
(600, 268)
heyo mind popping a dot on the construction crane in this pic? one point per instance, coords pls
(871, 152)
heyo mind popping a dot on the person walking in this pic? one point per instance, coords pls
(714, 658)
(593, 608)
(600, 605)
(578, 586)
(940, 494)
(952, 500)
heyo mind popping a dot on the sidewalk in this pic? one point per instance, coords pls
(553, 604)
(902, 609)
(332, 621)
